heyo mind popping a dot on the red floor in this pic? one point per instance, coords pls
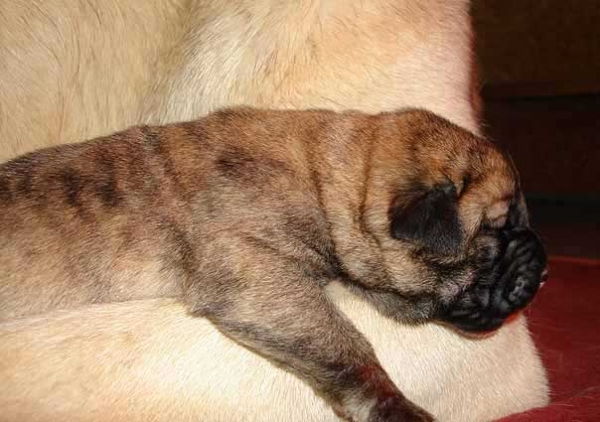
(565, 322)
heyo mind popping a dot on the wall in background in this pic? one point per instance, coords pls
(540, 70)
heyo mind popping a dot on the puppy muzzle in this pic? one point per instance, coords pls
(505, 283)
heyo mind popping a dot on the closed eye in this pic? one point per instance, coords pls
(497, 214)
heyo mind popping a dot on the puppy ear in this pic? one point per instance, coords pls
(431, 220)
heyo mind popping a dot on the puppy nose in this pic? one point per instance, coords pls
(530, 270)
(525, 267)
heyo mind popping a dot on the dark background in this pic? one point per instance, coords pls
(539, 67)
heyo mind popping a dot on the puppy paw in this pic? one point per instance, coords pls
(510, 266)
(394, 410)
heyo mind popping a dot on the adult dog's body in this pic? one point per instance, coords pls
(74, 70)
(149, 360)
(91, 68)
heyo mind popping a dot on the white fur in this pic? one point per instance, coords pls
(148, 360)
(75, 69)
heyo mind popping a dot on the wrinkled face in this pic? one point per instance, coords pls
(455, 236)
(443, 221)
(483, 280)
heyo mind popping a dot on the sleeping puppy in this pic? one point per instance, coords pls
(246, 215)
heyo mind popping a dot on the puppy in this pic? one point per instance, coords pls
(246, 215)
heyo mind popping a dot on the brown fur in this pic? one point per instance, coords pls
(245, 215)
(133, 196)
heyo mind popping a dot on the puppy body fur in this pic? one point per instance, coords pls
(91, 68)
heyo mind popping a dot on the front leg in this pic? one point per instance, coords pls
(275, 307)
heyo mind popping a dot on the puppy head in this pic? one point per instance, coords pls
(451, 185)
(432, 189)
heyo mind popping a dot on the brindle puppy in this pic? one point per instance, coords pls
(245, 215)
